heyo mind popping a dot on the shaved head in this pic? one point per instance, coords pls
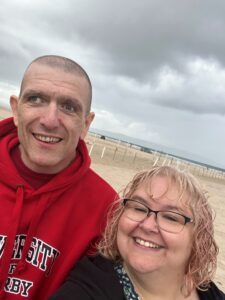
(66, 65)
(53, 108)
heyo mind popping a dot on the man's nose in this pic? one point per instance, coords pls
(50, 116)
(150, 223)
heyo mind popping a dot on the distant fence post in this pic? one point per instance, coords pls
(92, 146)
(103, 151)
(114, 154)
(155, 162)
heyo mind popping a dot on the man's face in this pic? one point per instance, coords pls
(51, 115)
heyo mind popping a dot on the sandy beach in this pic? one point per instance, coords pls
(117, 162)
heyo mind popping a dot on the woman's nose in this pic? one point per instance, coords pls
(150, 223)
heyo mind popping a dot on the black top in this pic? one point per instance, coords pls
(94, 278)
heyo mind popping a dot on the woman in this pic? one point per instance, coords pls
(158, 244)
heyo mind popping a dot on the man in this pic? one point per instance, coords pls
(53, 206)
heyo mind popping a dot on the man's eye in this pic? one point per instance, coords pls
(34, 99)
(68, 107)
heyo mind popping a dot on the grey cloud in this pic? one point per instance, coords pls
(137, 36)
(142, 36)
(12, 57)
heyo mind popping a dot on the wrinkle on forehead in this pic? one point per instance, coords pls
(40, 72)
(41, 78)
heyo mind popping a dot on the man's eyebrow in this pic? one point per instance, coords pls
(32, 92)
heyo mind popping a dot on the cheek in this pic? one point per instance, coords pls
(121, 231)
(26, 119)
(74, 128)
(180, 246)
(121, 240)
(124, 226)
(125, 230)
(188, 246)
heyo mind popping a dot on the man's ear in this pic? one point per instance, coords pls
(87, 124)
(14, 107)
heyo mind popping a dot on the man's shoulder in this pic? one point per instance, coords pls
(99, 182)
(7, 126)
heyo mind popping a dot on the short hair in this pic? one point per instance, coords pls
(65, 64)
(202, 262)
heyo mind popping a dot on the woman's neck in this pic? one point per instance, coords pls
(156, 286)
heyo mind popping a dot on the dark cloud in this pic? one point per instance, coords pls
(141, 36)
(137, 36)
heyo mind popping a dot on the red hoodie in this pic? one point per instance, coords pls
(44, 231)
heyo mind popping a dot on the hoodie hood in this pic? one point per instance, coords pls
(71, 174)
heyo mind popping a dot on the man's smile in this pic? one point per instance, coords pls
(47, 139)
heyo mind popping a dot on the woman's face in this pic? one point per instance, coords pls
(146, 248)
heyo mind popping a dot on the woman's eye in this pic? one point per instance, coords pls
(172, 218)
(140, 210)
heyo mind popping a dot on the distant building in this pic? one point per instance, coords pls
(145, 149)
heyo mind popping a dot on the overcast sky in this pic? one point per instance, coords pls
(157, 67)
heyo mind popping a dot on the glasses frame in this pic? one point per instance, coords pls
(186, 219)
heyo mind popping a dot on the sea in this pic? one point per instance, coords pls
(148, 146)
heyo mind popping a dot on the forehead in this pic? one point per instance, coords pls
(161, 190)
(55, 80)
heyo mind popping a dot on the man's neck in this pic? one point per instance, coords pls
(36, 180)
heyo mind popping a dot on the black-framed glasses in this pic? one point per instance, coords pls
(169, 221)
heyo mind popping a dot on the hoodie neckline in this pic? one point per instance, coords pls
(71, 174)
(36, 180)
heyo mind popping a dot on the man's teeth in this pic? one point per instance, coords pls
(47, 139)
(147, 244)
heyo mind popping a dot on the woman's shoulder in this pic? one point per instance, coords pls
(213, 293)
(93, 278)
(93, 265)
(96, 276)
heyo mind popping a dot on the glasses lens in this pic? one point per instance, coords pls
(170, 221)
(135, 210)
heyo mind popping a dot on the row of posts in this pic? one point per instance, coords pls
(167, 160)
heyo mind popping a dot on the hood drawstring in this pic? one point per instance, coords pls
(10, 237)
(38, 211)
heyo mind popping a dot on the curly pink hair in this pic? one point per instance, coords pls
(202, 263)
